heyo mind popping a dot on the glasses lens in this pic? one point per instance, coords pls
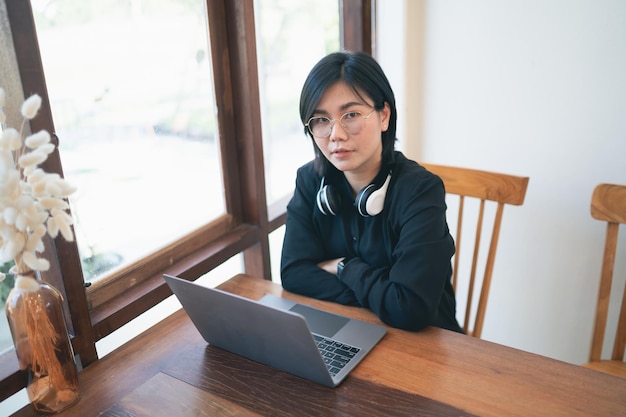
(352, 122)
(319, 127)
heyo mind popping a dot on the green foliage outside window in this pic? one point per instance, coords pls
(7, 284)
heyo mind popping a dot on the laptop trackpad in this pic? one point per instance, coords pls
(320, 322)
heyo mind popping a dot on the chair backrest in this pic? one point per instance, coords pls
(484, 186)
(608, 203)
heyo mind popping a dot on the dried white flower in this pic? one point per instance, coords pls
(13, 245)
(9, 215)
(34, 263)
(10, 139)
(64, 222)
(31, 200)
(46, 148)
(48, 203)
(37, 139)
(31, 106)
(53, 228)
(33, 158)
(36, 176)
(34, 242)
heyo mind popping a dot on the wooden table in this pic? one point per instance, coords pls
(170, 371)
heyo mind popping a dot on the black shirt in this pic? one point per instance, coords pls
(397, 263)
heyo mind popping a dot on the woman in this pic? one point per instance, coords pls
(366, 226)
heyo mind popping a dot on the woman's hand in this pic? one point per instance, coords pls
(330, 265)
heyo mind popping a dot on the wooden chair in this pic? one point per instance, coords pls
(484, 186)
(608, 203)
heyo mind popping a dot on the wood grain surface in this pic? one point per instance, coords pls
(170, 370)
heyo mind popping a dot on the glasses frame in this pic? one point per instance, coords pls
(340, 120)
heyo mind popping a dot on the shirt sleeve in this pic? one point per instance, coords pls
(303, 248)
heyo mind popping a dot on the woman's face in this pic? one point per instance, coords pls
(357, 155)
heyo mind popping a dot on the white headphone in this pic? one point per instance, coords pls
(369, 201)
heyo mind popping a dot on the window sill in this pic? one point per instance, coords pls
(128, 304)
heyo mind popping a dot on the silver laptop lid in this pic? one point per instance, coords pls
(267, 332)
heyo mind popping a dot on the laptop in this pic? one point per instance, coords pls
(304, 341)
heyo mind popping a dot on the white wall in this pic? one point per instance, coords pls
(534, 88)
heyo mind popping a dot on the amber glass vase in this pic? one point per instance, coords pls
(34, 310)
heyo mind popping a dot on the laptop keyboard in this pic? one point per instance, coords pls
(336, 354)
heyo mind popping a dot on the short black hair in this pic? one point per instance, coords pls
(360, 72)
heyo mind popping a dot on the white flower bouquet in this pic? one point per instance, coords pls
(33, 203)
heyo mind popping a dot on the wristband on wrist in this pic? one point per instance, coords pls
(342, 263)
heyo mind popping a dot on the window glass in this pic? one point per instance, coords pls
(131, 94)
(291, 37)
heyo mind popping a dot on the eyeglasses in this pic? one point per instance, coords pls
(352, 122)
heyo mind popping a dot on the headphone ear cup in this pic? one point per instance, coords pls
(328, 200)
(370, 201)
(362, 198)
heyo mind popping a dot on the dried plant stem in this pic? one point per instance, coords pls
(42, 335)
(43, 340)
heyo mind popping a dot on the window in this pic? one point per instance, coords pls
(140, 115)
(286, 54)
(135, 117)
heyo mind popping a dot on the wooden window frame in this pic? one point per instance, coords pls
(96, 312)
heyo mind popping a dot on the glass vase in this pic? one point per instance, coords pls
(34, 310)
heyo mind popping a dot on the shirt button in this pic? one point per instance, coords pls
(354, 238)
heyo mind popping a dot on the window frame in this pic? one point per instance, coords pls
(96, 312)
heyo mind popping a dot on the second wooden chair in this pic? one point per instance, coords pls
(608, 203)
